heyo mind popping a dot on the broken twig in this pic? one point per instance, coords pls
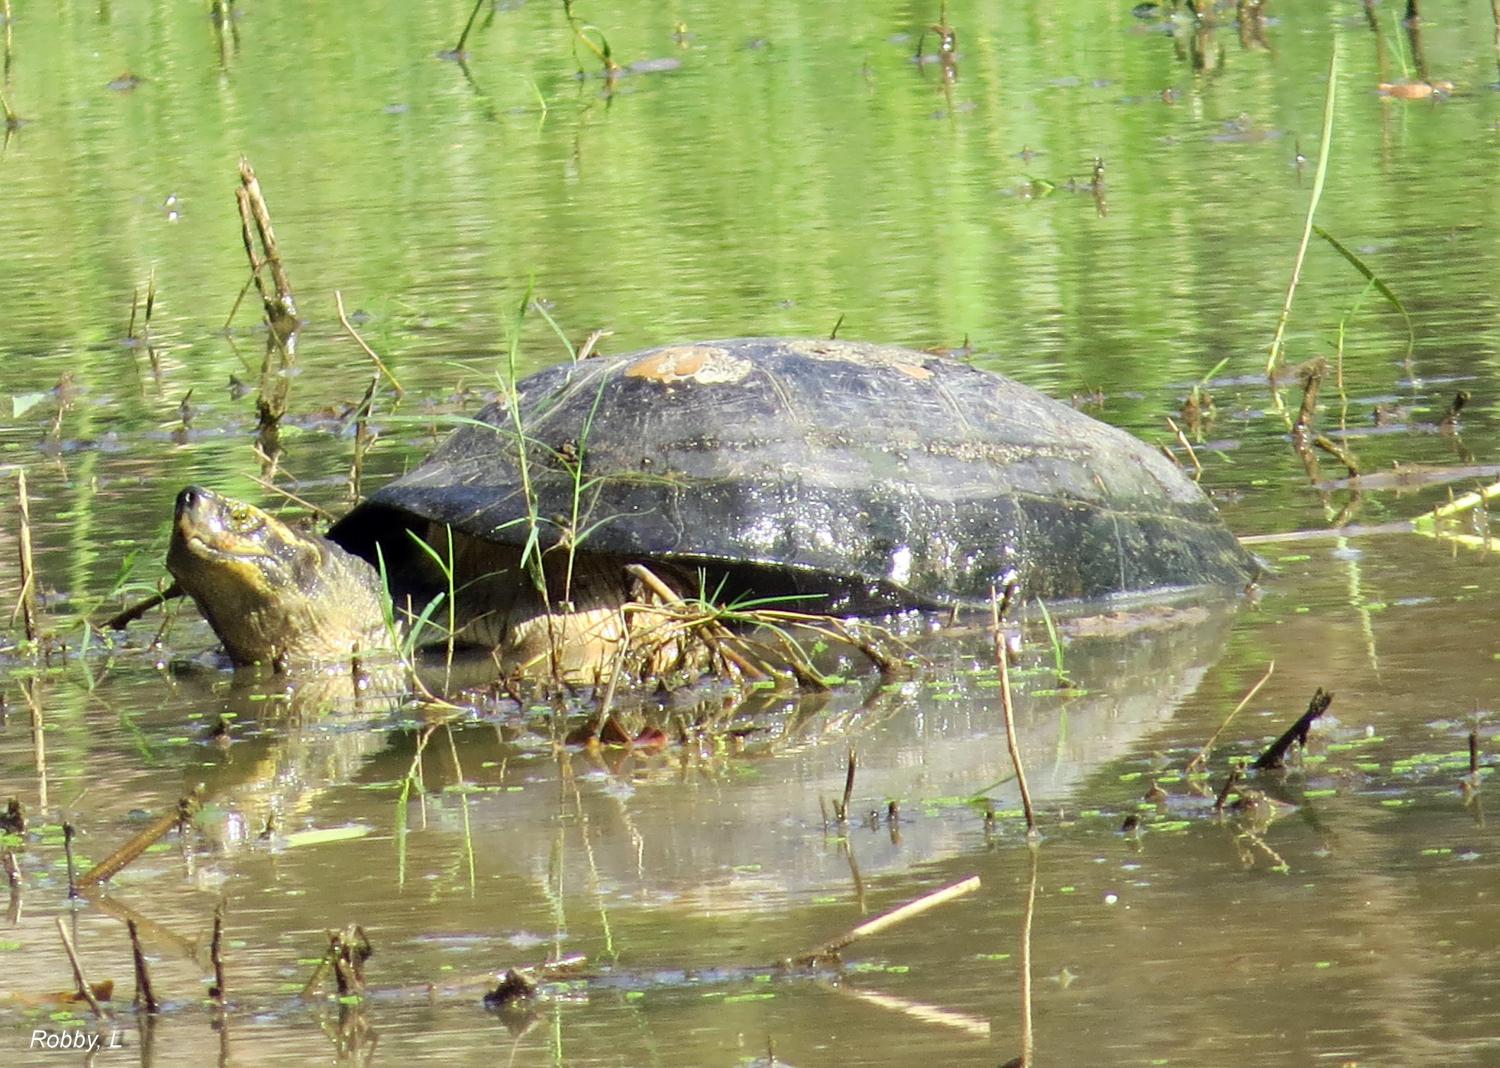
(890, 919)
(117, 861)
(1275, 756)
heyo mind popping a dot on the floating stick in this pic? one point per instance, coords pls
(887, 920)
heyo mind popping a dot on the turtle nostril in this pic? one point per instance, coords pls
(189, 498)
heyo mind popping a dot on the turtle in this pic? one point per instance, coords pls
(851, 478)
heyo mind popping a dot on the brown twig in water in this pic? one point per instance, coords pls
(362, 437)
(841, 808)
(144, 995)
(1235, 774)
(1187, 445)
(310, 988)
(117, 861)
(281, 308)
(321, 514)
(1275, 756)
(714, 636)
(1202, 758)
(608, 703)
(254, 277)
(890, 919)
(338, 299)
(1008, 708)
(84, 990)
(216, 954)
(1312, 375)
(346, 953)
(587, 350)
(26, 602)
(68, 833)
(1338, 452)
(130, 613)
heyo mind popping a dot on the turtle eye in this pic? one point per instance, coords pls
(241, 518)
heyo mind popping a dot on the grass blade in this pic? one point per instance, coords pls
(1319, 176)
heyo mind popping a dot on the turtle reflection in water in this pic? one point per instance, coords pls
(855, 478)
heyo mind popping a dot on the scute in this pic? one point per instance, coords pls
(863, 472)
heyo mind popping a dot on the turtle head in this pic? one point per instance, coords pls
(272, 593)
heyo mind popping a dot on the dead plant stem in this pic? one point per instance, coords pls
(1008, 709)
(1202, 758)
(84, 990)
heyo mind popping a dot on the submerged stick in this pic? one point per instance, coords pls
(84, 990)
(1008, 709)
(887, 920)
(1202, 757)
(1275, 756)
(144, 995)
(127, 854)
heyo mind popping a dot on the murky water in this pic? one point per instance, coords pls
(790, 166)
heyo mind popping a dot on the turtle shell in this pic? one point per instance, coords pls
(864, 473)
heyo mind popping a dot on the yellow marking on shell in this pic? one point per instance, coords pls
(912, 370)
(703, 364)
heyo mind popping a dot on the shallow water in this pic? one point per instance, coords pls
(792, 166)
